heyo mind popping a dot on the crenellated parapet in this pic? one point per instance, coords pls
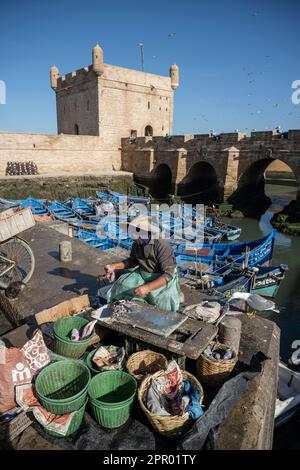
(77, 77)
(239, 138)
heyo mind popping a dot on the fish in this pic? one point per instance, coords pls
(74, 335)
(88, 329)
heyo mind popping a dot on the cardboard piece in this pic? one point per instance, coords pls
(9, 431)
(64, 309)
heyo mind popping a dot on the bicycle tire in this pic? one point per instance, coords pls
(17, 248)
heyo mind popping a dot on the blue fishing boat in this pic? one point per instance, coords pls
(84, 209)
(117, 197)
(223, 291)
(104, 196)
(7, 203)
(227, 231)
(93, 240)
(252, 253)
(266, 279)
(138, 199)
(88, 225)
(61, 211)
(37, 207)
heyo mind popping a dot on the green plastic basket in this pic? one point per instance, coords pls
(63, 344)
(111, 397)
(63, 326)
(71, 349)
(74, 425)
(62, 386)
(92, 368)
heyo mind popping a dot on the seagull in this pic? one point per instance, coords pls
(171, 35)
(255, 301)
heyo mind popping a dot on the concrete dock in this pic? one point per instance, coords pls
(249, 424)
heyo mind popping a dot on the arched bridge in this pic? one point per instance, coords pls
(205, 168)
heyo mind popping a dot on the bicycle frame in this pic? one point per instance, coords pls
(10, 263)
(7, 261)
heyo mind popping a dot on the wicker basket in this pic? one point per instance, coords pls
(169, 426)
(143, 363)
(212, 372)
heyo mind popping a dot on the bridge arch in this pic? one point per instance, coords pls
(161, 181)
(250, 195)
(200, 185)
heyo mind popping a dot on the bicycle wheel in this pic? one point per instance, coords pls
(20, 252)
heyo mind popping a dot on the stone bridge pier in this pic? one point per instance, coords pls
(206, 169)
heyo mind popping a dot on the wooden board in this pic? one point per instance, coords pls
(189, 340)
(145, 317)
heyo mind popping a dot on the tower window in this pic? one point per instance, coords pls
(166, 109)
(88, 105)
(76, 129)
(163, 128)
(75, 105)
(64, 110)
(148, 104)
(148, 131)
(160, 108)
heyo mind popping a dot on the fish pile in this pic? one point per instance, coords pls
(170, 395)
(109, 358)
(206, 311)
(86, 332)
(218, 354)
(119, 309)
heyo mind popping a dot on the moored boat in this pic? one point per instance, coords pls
(251, 253)
(288, 394)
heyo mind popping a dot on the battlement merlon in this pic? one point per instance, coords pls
(114, 74)
(256, 137)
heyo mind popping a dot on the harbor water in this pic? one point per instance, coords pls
(287, 251)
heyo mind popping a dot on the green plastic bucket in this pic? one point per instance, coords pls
(62, 386)
(111, 397)
(63, 344)
(74, 425)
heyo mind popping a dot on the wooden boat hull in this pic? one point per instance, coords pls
(260, 253)
(268, 280)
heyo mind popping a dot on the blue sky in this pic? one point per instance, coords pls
(237, 58)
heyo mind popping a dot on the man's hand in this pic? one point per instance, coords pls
(110, 272)
(142, 291)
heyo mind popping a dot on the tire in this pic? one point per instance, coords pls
(19, 251)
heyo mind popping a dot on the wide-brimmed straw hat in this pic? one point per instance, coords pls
(144, 223)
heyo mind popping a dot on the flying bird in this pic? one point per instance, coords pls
(171, 35)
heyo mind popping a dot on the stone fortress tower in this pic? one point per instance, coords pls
(114, 102)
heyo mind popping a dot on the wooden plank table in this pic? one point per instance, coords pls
(188, 341)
